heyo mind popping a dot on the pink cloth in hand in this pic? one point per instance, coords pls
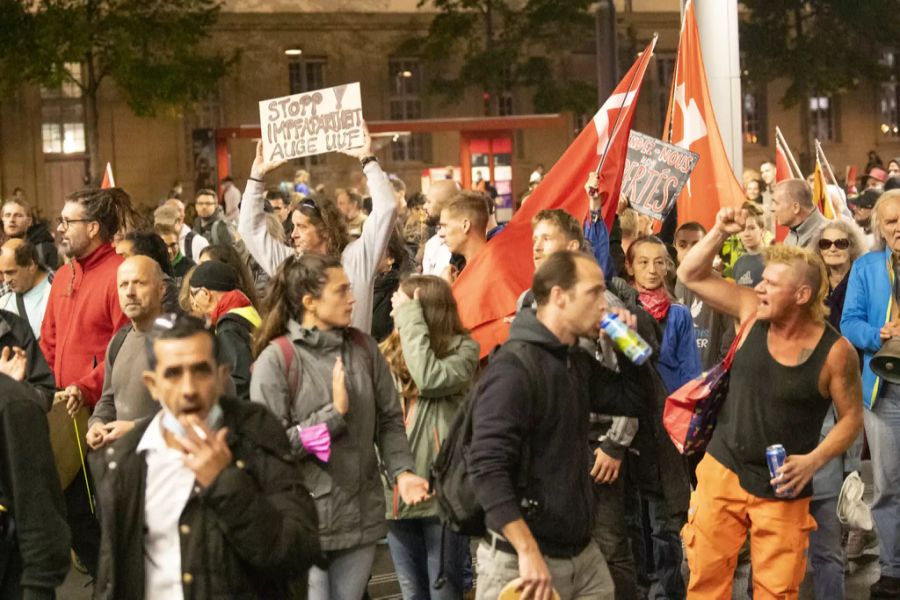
(316, 440)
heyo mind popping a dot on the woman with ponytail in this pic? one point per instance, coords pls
(335, 396)
(433, 361)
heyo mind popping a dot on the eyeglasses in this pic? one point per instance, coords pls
(840, 244)
(64, 222)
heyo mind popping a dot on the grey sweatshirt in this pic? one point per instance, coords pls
(361, 256)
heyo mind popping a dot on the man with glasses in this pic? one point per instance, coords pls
(172, 215)
(204, 500)
(82, 316)
(210, 221)
(181, 264)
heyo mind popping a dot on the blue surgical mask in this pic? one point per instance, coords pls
(174, 426)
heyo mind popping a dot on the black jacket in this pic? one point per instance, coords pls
(655, 466)
(34, 551)
(251, 534)
(214, 229)
(509, 413)
(40, 237)
(15, 331)
(234, 334)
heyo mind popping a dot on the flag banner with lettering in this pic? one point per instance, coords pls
(489, 286)
(691, 124)
(315, 122)
(655, 172)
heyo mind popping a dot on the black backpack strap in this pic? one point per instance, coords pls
(20, 306)
(189, 244)
(115, 344)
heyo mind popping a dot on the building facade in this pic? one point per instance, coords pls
(288, 46)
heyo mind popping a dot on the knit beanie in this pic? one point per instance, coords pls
(214, 275)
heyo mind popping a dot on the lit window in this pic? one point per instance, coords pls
(62, 115)
(753, 122)
(889, 97)
(405, 85)
(822, 120)
(307, 73)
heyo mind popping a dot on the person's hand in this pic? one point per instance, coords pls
(795, 474)
(206, 453)
(412, 488)
(115, 430)
(13, 362)
(449, 274)
(400, 298)
(75, 401)
(534, 576)
(260, 167)
(94, 436)
(364, 150)
(590, 188)
(626, 317)
(890, 329)
(339, 396)
(606, 468)
(731, 221)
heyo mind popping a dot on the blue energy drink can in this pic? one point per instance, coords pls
(775, 456)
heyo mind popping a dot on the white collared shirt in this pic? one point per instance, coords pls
(435, 257)
(169, 485)
(35, 304)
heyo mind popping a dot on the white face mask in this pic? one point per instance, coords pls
(174, 426)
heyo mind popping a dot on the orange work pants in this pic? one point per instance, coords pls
(719, 519)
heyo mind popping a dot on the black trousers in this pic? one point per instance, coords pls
(84, 525)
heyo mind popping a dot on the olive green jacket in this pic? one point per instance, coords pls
(442, 384)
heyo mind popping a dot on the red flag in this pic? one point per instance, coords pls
(489, 286)
(108, 179)
(694, 127)
(782, 166)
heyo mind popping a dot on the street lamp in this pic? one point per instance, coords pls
(293, 52)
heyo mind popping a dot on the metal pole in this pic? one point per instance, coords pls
(717, 21)
(607, 49)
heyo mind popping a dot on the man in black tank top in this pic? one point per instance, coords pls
(791, 366)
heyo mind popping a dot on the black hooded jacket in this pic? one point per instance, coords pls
(34, 536)
(40, 237)
(510, 413)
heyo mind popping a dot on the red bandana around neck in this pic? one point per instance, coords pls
(656, 302)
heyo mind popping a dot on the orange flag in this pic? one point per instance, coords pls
(691, 124)
(820, 193)
(108, 179)
(489, 286)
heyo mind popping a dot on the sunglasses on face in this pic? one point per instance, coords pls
(840, 244)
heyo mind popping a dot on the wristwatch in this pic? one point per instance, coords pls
(367, 159)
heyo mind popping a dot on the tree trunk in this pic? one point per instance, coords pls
(92, 136)
(803, 159)
(92, 120)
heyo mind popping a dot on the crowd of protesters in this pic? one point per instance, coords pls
(265, 381)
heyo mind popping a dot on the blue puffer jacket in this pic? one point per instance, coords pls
(867, 308)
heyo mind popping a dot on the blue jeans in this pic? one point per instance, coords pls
(883, 434)
(825, 558)
(416, 550)
(347, 575)
(667, 552)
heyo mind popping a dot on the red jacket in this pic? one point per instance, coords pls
(83, 314)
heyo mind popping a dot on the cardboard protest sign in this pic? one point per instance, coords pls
(654, 174)
(314, 122)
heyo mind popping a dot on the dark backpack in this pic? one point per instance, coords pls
(115, 344)
(458, 506)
